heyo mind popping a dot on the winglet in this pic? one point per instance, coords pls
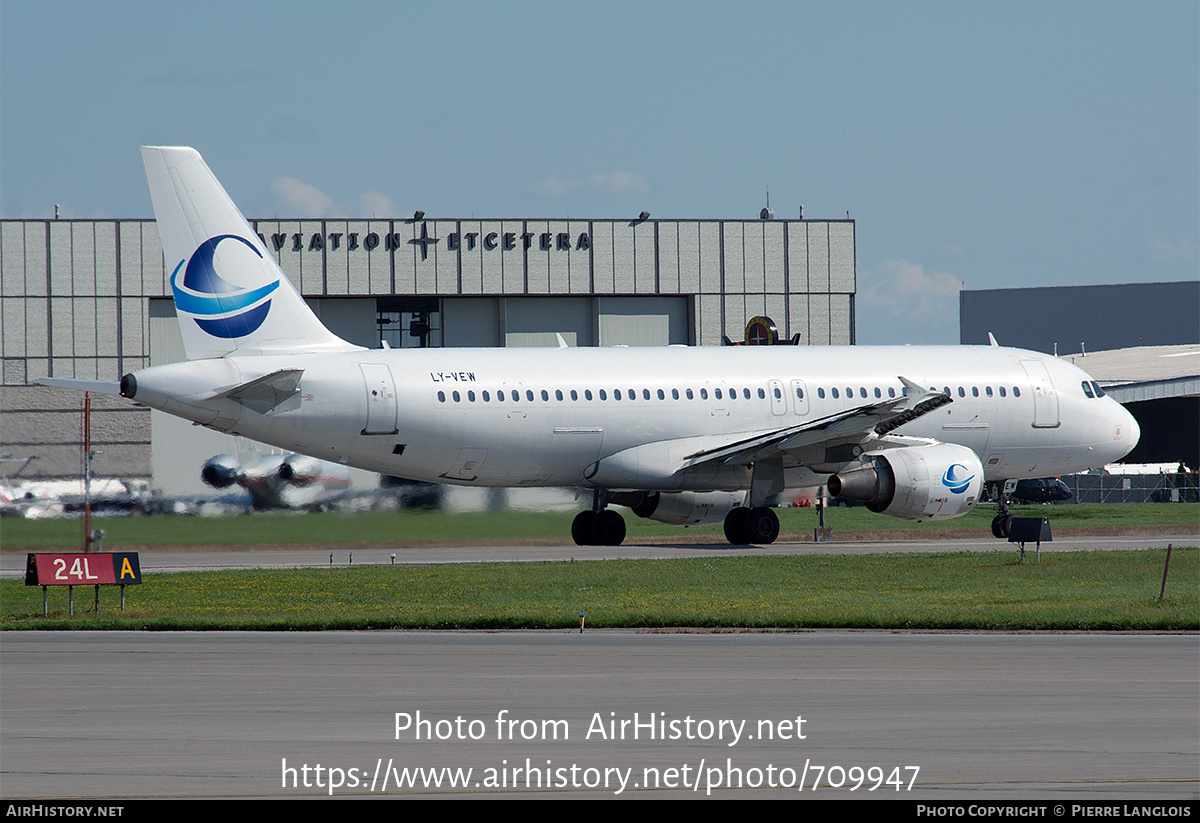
(992, 339)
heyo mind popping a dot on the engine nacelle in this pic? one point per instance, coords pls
(682, 508)
(220, 472)
(915, 483)
(300, 470)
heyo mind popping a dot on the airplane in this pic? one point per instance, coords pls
(1042, 490)
(278, 481)
(681, 435)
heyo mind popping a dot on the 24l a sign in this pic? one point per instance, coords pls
(110, 569)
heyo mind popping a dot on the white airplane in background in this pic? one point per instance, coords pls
(682, 435)
(278, 481)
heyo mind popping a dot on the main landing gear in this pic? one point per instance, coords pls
(757, 525)
(1002, 522)
(598, 528)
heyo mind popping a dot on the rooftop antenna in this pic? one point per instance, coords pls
(766, 213)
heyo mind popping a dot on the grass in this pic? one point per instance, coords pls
(409, 528)
(1066, 591)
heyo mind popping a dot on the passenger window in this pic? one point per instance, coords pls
(862, 391)
(834, 392)
(690, 396)
(821, 392)
(574, 394)
(545, 394)
(558, 394)
(603, 396)
(616, 394)
(878, 393)
(1003, 393)
(646, 394)
(457, 398)
(891, 391)
(471, 396)
(1016, 391)
(704, 394)
(661, 395)
(974, 391)
(587, 393)
(441, 397)
(745, 394)
(762, 395)
(674, 394)
(799, 393)
(961, 392)
(717, 393)
(529, 395)
(486, 397)
(988, 390)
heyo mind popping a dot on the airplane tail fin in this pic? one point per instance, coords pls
(230, 295)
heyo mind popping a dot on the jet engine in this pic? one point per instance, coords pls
(915, 483)
(220, 472)
(300, 470)
(681, 508)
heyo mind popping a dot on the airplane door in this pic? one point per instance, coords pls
(799, 397)
(381, 399)
(778, 401)
(1045, 400)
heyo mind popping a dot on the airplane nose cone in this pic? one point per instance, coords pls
(1135, 431)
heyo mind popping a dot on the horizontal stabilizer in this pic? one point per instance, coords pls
(272, 393)
(93, 386)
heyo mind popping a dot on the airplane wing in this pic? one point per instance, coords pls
(870, 421)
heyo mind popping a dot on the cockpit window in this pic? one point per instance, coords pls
(1099, 391)
(1087, 388)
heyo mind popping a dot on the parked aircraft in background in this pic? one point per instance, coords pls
(279, 481)
(1042, 490)
(681, 435)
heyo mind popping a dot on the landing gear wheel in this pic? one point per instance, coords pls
(581, 528)
(608, 528)
(734, 522)
(761, 526)
(1001, 524)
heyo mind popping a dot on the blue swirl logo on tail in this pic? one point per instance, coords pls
(219, 307)
(957, 478)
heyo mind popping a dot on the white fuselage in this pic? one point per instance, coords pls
(544, 417)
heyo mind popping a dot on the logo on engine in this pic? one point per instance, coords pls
(957, 478)
(219, 307)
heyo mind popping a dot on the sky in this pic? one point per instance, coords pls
(977, 145)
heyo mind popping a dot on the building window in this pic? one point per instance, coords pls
(409, 322)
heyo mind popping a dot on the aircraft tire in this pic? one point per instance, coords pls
(1001, 524)
(734, 522)
(608, 528)
(761, 526)
(581, 528)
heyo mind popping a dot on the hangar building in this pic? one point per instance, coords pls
(91, 299)
(1141, 341)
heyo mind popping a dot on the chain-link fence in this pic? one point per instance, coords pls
(1133, 488)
